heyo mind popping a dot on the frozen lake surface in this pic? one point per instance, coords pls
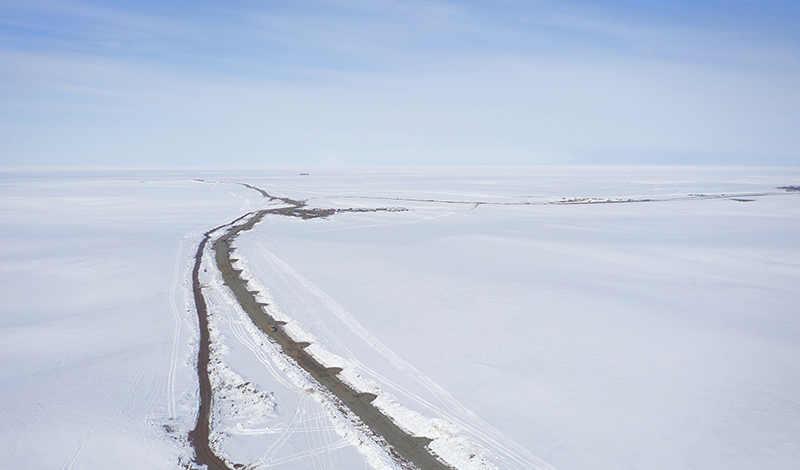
(660, 334)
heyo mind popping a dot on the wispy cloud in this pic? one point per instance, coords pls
(389, 81)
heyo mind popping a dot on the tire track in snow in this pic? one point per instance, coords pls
(299, 287)
(72, 458)
(176, 337)
(253, 343)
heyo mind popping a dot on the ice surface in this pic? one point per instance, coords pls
(653, 335)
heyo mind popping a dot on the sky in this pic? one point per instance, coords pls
(252, 83)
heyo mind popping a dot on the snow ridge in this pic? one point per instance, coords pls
(234, 397)
(458, 450)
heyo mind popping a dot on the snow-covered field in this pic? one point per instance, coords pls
(659, 335)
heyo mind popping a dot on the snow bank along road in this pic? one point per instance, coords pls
(401, 445)
(199, 436)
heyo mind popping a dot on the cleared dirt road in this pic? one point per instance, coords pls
(410, 451)
(403, 446)
(198, 437)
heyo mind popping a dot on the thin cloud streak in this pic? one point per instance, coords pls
(388, 82)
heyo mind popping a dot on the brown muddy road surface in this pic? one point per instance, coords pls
(409, 451)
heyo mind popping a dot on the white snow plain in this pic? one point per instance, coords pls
(655, 335)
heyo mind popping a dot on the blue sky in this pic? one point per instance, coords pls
(399, 82)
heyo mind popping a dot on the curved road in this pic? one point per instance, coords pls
(402, 446)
